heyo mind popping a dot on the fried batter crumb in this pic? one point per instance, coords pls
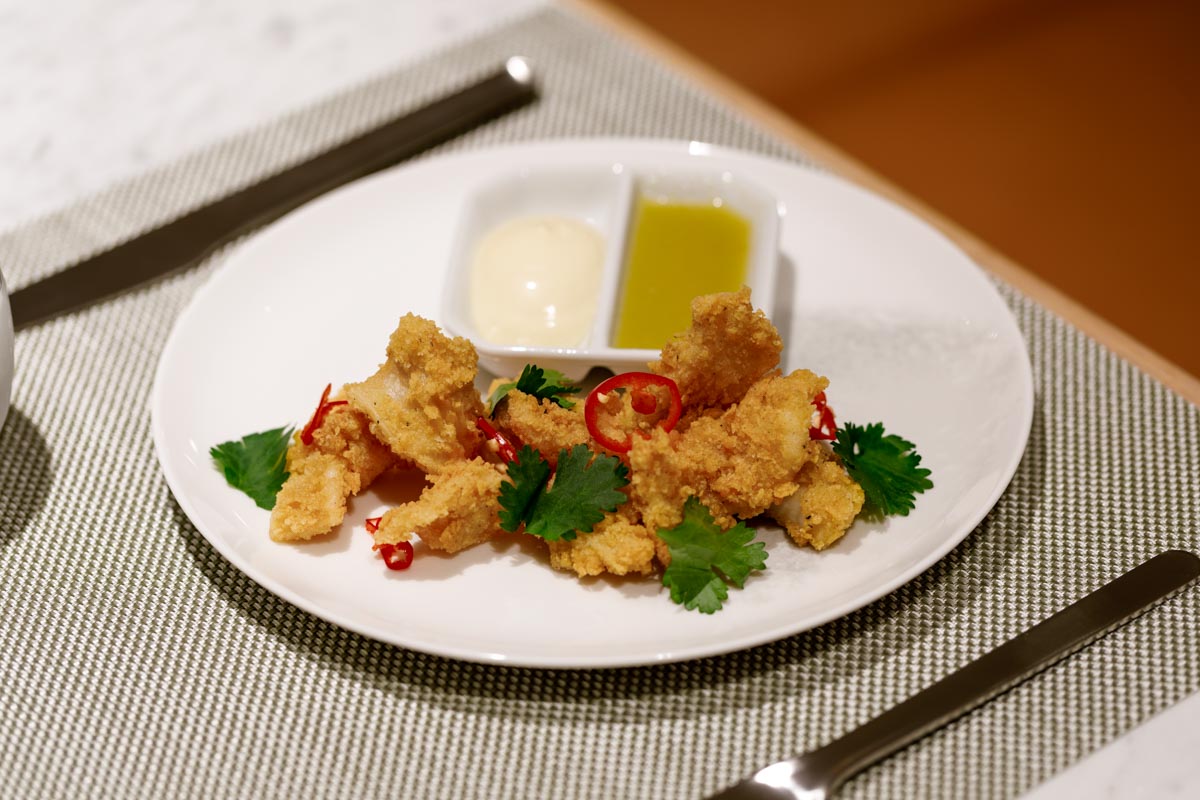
(618, 545)
(343, 459)
(727, 349)
(458, 510)
(422, 400)
(542, 424)
(825, 503)
(736, 464)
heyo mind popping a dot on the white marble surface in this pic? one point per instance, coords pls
(93, 91)
(1155, 760)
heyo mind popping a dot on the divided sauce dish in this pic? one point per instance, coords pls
(609, 201)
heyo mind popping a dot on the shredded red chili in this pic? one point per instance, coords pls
(826, 427)
(641, 399)
(372, 524)
(397, 556)
(507, 450)
(318, 416)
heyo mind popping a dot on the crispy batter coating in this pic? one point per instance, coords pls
(343, 459)
(618, 545)
(737, 464)
(422, 401)
(728, 347)
(459, 509)
(542, 424)
(742, 446)
(825, 504)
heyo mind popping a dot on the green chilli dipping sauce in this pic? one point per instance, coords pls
(679, 251)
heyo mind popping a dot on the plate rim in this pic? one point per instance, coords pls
(725, 646)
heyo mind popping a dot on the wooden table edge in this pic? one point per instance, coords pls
(774, 121)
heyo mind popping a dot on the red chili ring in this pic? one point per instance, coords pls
(397, 556)
(637, 384)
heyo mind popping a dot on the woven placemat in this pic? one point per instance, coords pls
(137, 662)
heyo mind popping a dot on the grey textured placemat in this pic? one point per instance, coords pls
(137, 662)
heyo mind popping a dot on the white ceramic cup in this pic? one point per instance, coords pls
(6, 351)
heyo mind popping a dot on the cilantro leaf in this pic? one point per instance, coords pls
(703, 558)
(585, 488)
(527, 477)
(544, 384)
(256, 464)
(886, 467)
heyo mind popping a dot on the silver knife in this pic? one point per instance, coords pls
(817, 774)
(188, 238)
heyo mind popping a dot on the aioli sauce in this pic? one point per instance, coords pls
(679, 251)
(535, 282)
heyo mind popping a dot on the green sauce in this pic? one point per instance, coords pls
(679, 251)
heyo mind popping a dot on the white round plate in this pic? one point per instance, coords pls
(907, 329)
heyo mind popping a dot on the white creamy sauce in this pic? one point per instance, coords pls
(535, 282)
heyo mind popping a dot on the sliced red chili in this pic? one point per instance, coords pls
(507, 450)
(397, 556)
(826, 427)
(318, 416)
(641, 399)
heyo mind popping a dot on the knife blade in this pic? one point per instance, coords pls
(190, 237)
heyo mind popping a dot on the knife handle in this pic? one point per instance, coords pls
(195, 234)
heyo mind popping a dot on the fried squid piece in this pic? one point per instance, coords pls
(542, 424)
(737, 464)
(728, 347)
(422, 401)
(825, 504)
(343, 459)
(617, 545)
(458, 510)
